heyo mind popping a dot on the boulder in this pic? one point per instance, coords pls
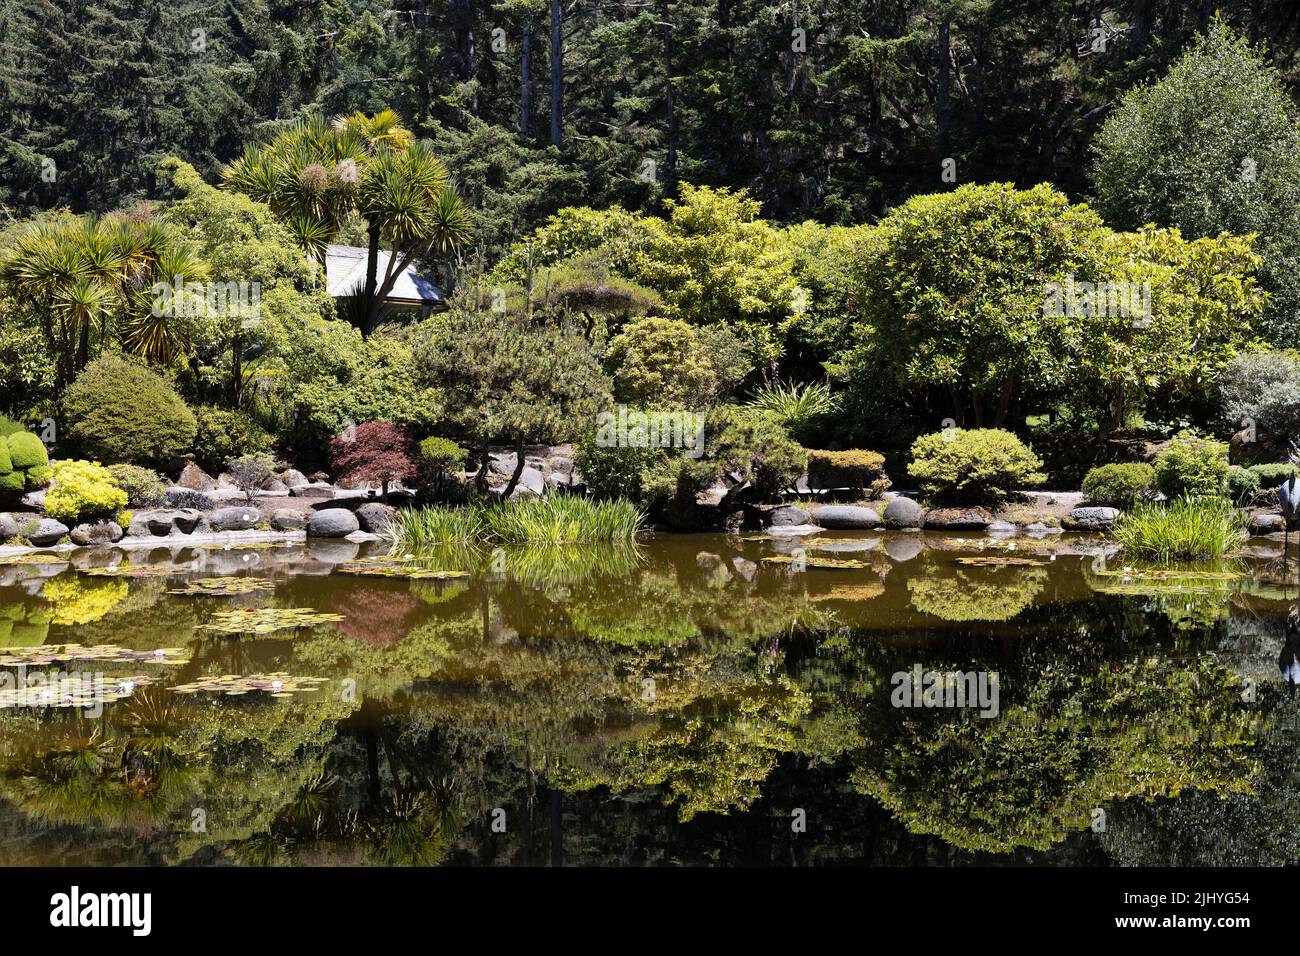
(293, 478)
(557, 483)
(503, 465)
(313, 489)
(332, 523)
(195, 478)
(275, 486)
(286, 519)
(1001, 527)
(182, 497)
(374, 517)
(34, 500)
(1091, 519)
(164, 521)
(235, 518)
(8, 527)
(533, 480)
(786, 516)
(98, 532)
(903, 513)
(47, 532)
(957, 519)
(851, 517)
(561, 464)
(1261, 522)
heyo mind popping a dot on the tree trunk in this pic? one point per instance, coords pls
(372, 278)
(480, 479)
(526, 79)
(557, 72)
(670, 178)
(237, 369)
(519, 469)
(471, 65)
(942, 108)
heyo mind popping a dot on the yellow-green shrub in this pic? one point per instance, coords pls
(976, 464)
(83, 491)
(854, 468)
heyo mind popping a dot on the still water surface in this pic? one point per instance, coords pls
(682, 701)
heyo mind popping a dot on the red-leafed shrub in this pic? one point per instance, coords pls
(373, 451)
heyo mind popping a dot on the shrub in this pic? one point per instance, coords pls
(250, 472)
(1184, 528)
(1192, 467)
(1119, 485)
(1272, 475)
(855, 468)
(373, 451)
(438, 458)
(223, 434)
(969, 465)
(144, 488)
(658, 363)
(1243, 484)
(28, 462)
(742, 445)
(614, 471)
(120, 410)
(1262, 389)
(83, 491)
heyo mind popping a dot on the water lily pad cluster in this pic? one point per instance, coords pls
(994, 561)
(815, 561)
(264, 620)
(125, 570)
(102, 653)
(234, 685)
(389, 567)
(38, 558)
(74, 692)
(223, 586)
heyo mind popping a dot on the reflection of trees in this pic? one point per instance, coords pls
(1189, 595)
(983, 594)
(80, 600)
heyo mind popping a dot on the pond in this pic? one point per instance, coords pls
(693, 699)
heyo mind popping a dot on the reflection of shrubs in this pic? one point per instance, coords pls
(988, 596)
(855, 468)
(83, 491)
(1193, 467)
(121, 411)
(1120, 484)
(977, 464)
(144, 489)
(81, 602)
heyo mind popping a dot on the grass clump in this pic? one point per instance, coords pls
(1186, 528)
(551, 520)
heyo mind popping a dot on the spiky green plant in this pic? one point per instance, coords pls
(1183, 529)
(550, 520)
(795, 406)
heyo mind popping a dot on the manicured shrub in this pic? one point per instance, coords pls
(28, 462)
(973, 465)
(742, 445)
(854, 468)
(83, 491)
(223, 434)
(1272, 475)
(1186, 528)
(144, 488)
(1192, 467)
(1119, 485)
(658, 363)
(1243, 484)
(374, 451)
(10, 480)
(438, 459)
(119, 410)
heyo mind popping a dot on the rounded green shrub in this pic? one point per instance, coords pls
(854, 468)
(1271, 475)
(83, 491)
(1119, 485)
(1193, 467)
(612, 471)
(1243, 484)
(27, 452)
(441, 455)
(119, 410)
(223, 434)
(144, 488)
(973, 465)
(658, 363)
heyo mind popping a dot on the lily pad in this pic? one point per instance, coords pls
(234, 685)
(38, 558)
(813, 561)
(223, 586)
(388, 567)
(993, 561)
(125, 570)
(74, 691)
(105, 653)
(264, 620)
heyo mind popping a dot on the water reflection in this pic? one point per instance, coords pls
(681, 700)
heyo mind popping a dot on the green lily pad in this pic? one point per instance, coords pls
(388, 567)
(234, 685)
(813, 561)
(223, 587)
(993, 561)
(39, 558)
(126, 570)
(74, 691)
(105, 653)
(264, 620)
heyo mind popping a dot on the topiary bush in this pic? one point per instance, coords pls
(223, 434)
(83, 491)
(1193, 467)
(856, 468)
(10, 480)
(1119, 485)
(973, 465)
(438, 459)
(1243, 484)
(658, 363)
(144, 488)
(119, 410)
(29, 463)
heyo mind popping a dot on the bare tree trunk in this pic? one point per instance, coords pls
(667, 26)
(557, 72)
(942, 107)
(526, 79)
(372, 279)
(519, 469)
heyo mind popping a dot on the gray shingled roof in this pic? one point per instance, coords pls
(345, 273)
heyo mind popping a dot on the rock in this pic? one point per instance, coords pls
(1091, 519)
(195, 478)
(533, 480)
(313, 489)
(286, 519)
(8, 527)
(319, 478)
(360, 537)
(562, 465)
(557, 483)
(1261, 522)
(503, 465)
(1001, 527)
(47, 532)
(293, 478)
(235, 518)
(374, 517)
(794, 530)
(34, 500)
(957, 519)
(903, 513)
(225, 481)
(271, 493)
(852, 517)
(332, 523)
(98, 532)
(181, 497)
(164, 521)
(787, 515)
(275, 486)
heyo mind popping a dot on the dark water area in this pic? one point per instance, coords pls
(678, 701)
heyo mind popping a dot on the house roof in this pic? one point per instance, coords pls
(345, 273)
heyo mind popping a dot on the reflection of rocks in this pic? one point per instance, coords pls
(903, 547)
(333, 551)
(1001, 528)
(744, 567)
(846, 545)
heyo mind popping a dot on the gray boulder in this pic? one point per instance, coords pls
(851, 517)
(293, 478)
(98, 532)
(561, 464)
(286, 519)
(164, 521)
(195, 478)
(502, 464)
(8, 527)
(958, 519)
(533, 480)
(34, 500)
(235, 518)
(1261, 522)
(313, 489)
(47, 532)
(787, 515)
(374, 517)
(332, 523)
(903, 513)
(1091, 519)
